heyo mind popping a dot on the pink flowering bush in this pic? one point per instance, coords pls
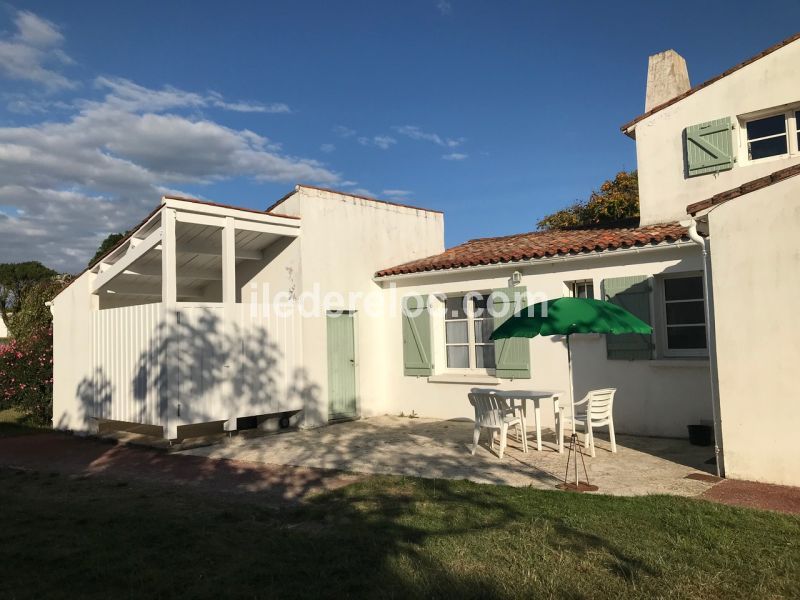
(26, 374)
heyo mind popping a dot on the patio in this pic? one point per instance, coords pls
(432, 448)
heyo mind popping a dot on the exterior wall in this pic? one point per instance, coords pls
(755, 261)
(279, 270)
(665, 191)
(3, 330)
(656, 397)
(72, 355)
(345, 241)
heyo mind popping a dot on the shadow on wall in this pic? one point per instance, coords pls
(220, 370)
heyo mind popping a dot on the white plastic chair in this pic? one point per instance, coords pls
(599, 406)
(494, 414)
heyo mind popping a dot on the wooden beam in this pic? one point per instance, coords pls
(216, 250)
(282, 230)
(196, 219)
(133, 254)
(183, 272)
(229, 262)
(150, 292)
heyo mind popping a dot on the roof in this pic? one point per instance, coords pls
(133, 229)
(231, 207)
(541, 244)
(745, 188)
(322, 189)
(705, 84)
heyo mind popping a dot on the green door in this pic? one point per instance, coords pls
(341, 367)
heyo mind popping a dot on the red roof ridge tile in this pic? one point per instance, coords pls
(745, 188)
(708, 82)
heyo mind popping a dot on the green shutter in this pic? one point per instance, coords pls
(632, 294)
(709, 147)
(512, 356)
(417, 357)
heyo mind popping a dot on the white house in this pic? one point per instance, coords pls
(210, 313)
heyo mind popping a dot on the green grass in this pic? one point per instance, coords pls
(14, 422)
(383, 537)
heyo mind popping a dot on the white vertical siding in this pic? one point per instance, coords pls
(248, 363)
(127, 363)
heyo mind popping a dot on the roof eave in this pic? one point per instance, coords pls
(664, 245)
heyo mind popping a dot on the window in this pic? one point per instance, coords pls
(582, 289)
(684, 316)
(797, 126)
(468, 326)
(767, 137)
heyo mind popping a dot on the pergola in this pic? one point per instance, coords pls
(187, 251)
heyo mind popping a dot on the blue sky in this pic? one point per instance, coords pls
(494, 112)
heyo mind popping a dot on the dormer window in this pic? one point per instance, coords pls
(767, 137)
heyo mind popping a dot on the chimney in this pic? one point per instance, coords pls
(667, 77)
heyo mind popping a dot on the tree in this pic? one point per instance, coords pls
(617, 200)
(16, 280)
(112, 240)
(33, 314)
(26, 361)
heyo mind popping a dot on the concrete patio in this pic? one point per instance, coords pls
(441, 449)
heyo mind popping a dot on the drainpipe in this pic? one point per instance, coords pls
(710, 343)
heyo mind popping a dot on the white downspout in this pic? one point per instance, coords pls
(711, 343)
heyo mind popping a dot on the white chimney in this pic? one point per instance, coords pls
(667, 77)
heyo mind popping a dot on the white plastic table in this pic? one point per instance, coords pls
(536, 396)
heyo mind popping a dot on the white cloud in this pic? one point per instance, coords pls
(66, 184)
(327, 148)
(416, 133)
(274, 108)
(344, 132)
(28, 53)
(362, 192)
(396, 194)
(455, 156)
(384, 142)
(445, 8)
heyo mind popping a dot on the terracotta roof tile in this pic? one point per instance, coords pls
(745, 188)
(540, 244)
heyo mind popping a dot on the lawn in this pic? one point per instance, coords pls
(13, 422)
(64, 536)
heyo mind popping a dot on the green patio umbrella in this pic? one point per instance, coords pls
(567, 316)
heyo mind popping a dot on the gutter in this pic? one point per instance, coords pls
(533, 261)
(711, 340)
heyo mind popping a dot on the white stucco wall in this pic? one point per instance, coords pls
(665, 191)
(345, 241)
(72, 354)
(756, 279)
(658, 397)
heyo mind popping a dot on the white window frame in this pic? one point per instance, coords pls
(471, 343)
(664, 348)
(573, 285)
(789, 113)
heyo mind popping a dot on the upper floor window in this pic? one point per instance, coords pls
(468, 326)
(767, 137)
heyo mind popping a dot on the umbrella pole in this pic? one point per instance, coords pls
(572, 408)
